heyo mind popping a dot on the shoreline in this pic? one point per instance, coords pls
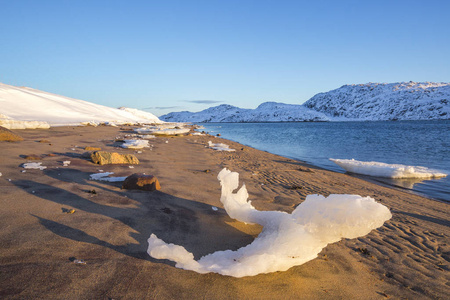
(432, 188)
(406, 258)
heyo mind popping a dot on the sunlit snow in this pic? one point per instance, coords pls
(220, 147)
(34, 165)
(286, 240)
(379, 169)
(24, 108)
(135, 144)
(105, 177)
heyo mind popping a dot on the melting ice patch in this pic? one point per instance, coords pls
(135, 144)
(379, 169)
(286, 240)
(220, 147)
(105, 177)
(34, 165)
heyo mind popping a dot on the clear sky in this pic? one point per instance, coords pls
(169, 55)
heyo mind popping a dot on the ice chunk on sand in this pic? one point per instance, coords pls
(104, 177)
(379, 169)
(286, 240)
(220, 147)
(135, 144)
(34, 165)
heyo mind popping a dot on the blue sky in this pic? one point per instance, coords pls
(190, 55)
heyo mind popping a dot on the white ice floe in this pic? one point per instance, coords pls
(286, 240)
(34, 165)
(105, 177)
(379, 169)
(220, 146)
(147, 136)
(135, 144)
(164, 129)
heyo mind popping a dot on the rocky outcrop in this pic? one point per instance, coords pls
(9, 136)
(107, 158)
(143, 182)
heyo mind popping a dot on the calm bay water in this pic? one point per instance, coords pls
(414, 143)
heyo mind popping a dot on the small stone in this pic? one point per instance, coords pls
(141, 181)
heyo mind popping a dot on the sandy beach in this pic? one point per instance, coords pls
(407, 258)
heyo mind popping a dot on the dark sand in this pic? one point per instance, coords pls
(406, 258)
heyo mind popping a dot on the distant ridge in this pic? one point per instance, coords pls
(365, 102)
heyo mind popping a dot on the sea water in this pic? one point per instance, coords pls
(414, 143)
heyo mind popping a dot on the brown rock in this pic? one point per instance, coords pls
(89, 148)
(106, 158)
(32, 157)
(143, 182)
(9, 136)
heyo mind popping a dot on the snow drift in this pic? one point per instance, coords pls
(286, 240)
(379, 169)
(22, 107)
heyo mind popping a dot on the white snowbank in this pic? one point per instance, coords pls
(379, 169)
(135, 144)
(34, 165)
(171, 131)
(164, 129)
(220, 147)
(286, 240)
(104, 177)
(23, 108)
(15, 124)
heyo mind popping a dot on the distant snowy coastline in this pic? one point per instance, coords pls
(357, 102)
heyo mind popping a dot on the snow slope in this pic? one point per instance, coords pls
(364, 102)
(266, 112)
(385, 101)
(21, 107)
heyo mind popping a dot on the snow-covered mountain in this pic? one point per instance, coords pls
(266, 112)
(371, 102)
(385, 101)
(22, 107)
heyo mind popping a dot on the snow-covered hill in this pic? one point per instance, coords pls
(266, 112)
(385, 101)
(22, 107)
(368, 102)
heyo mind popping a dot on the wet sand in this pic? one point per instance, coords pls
(406, 258)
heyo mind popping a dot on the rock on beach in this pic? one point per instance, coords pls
(143, 182)
(106, 158)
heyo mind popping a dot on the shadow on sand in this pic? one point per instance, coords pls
(191, 224)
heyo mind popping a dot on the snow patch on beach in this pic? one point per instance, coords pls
(34, 165)
(164, 129)
(105, 177)
(379, 169)
(135, 144)
(286, 240)
(220, 147)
